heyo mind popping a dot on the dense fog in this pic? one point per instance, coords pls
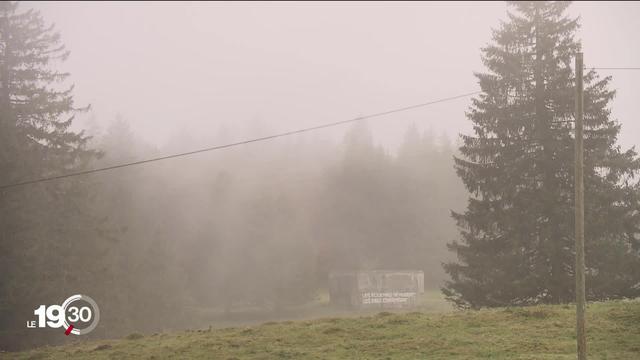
(259, 226)
(251, 232)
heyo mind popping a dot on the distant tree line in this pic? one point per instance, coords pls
(257, 226)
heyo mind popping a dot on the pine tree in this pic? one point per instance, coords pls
(36, 110)
(45, 232)
(517, 242)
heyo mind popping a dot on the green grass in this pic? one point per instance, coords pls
(539, 332)
(429, 302)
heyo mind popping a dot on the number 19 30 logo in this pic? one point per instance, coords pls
(79, 319)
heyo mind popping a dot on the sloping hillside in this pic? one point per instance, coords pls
(541, 332)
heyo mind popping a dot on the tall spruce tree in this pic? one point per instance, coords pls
(46, 232)
(517, 233)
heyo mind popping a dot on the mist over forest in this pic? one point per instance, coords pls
(259, 226)
(260, 178)
(265, 224)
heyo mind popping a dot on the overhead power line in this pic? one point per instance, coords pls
(244, 142)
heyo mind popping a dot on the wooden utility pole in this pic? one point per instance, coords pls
(579, 196)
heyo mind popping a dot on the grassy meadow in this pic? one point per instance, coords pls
(538, 332)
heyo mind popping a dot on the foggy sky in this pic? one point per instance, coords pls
(193, 68)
